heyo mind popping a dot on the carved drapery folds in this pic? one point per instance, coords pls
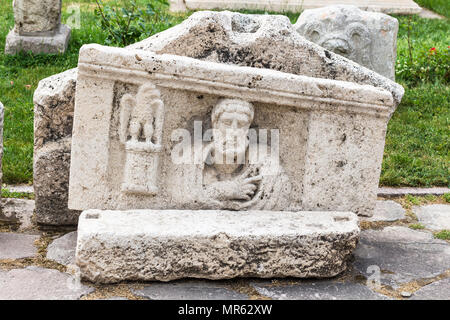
(141, 125)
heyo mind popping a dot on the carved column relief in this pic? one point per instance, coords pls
(141, 125)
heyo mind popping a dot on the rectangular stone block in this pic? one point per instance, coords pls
(166, 245)
(327, 156)
(55, 43)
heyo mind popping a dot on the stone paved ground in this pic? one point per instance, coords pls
(392, 261)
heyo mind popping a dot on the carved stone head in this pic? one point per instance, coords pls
(367, 38)
(231, 120)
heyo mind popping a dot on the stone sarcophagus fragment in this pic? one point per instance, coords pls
(216, 161)
(322, 139)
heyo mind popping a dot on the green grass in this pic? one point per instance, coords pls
(439, 6)
(417, 149)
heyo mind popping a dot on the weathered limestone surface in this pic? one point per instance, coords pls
(219, 37)
(36, 17)
(35, 283)
(401, 254)
(337, 124)
(386, 6)
(318, 290)
(17, 245)
(166, 245)
(434, 217)
(62, 250)
(368, 38)
(37, 28)
(18, 212)
(189, 290)
(53, 119)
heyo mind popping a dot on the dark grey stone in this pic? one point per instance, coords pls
(401, 255)
(17, 245)
(62, 250)
(189, 290)
(35, 283)
(439, 290)
(319, 290)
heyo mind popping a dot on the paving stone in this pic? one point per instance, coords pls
(17, 245)
(320, 290)
(398, 192)
(189, 290)
(401, 254)
(435, 216)
(35, 283)
(62, 250)
(387, 210)
(17, 211)
(439, 290)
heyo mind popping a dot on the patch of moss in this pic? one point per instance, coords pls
(416, 226)
(443, 235)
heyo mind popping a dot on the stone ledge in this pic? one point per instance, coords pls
(165, 245)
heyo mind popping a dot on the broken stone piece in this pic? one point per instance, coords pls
(166, 245)
(368, 38)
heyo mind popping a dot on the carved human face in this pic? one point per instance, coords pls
(340, 33)
(230, 133)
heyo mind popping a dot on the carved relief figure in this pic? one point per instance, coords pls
(235, 173)
(141, 124)
(341, 31)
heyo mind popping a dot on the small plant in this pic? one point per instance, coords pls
(446, 197)
(416, 226)
(428, 65)
(128, 23)
(443, 235)
(413, 200)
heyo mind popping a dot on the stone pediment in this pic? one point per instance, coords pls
(260, 41)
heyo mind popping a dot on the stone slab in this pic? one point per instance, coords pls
(318, 290)
(434, 216)
(189, 290)
(401, 255)
(17, 211)
(35, 283)
(166, 245)
(387, 210)
(17, 245)
(62, 250)
(386, 6)
(56, 43)
(438, 290)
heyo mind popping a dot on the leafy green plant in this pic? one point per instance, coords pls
(443, 235)
(128, 23)
(429, 65)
